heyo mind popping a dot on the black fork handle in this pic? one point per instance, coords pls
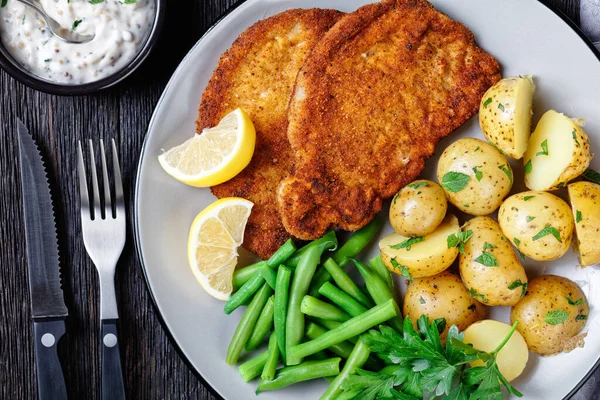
(113, 387)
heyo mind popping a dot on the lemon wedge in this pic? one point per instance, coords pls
(216, 155)
(215, 235)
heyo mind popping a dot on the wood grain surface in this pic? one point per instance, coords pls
(152, 367)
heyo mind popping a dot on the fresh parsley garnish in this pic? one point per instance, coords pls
(95, 1)
(478, 173)
(476, 149)
(76, 24)
(420, 364)
(422, 300)
(395, 198)
(455, 181)
(486, 258)
(417, 185)
(459, 239)
(517, 284)
(556, 317)
(472, 307)
(506, 169)
(474, 294)
(575, 137)
(487, 102)
(548, 230)
(578, 216)
(129, 2)
(407, 244)
(517, 241)
(501, 107)
(402, 268)
(544, 151)
(4, 3)
(592, 176)
(528, 167)
(581, 317)
(47, 60)
(529, 218)
(560, 185)
(573, 302)
(527, 198)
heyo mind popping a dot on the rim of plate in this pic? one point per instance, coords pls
(136, 235)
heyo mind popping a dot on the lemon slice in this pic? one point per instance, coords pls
(215, 235)
(216, 155)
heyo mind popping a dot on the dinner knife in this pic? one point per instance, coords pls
(47, 303)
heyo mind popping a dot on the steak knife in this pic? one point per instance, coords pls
(47, 303)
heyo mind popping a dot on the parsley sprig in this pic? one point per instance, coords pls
(422, 365)
(459, 239)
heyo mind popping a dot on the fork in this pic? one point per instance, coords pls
(103, 227)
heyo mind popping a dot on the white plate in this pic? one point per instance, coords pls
(524, 35)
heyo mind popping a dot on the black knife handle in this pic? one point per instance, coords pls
(112, 375)
(51, 382)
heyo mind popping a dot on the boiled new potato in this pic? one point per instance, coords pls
(585, 203)
(489, 266)
(539, 224)
(505, 114)
(442, 296)
(558, 152)
(487, 335)
(551, 315)
(420, 256)
(475, 176)
(418, 208)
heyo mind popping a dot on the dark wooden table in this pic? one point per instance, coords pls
(152, 366)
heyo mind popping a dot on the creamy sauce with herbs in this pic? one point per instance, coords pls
(120, 27)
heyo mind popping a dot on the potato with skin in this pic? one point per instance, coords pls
(558, 152)
(505, 114)
(539, 224)
(585, 203)
(551, 315)
(487, 335)
(442, 296)
(418, 257)
(418, 208)
(489, 266)
(475, 176)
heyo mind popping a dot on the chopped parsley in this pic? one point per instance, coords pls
(76, 24)
(95, 1)
(485, 103)
(478, 173)
(501, 107)
(548, 230)
(573, 302)
(476, 149)
(528, 167)
(4, 3)
(556, 317)
(578, 216)
(486, 258)
(591, 176)
(517, 284)
(575, 137)
(517, 241)
(529, 218)
(544, 151)
(407, 244)
(422, 300)
(416, 185)
(472, 307)
(527, 198)
(581, 317)
(395, 198)
(506, 169)
(403, 269)
(455, 181)
(474, 294)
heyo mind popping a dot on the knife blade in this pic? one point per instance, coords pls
(47, 302)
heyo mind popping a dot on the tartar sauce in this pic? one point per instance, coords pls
(120, 28)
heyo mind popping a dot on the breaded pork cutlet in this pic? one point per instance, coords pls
(381, 88)
(257, 74)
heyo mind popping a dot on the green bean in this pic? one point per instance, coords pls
(326, 242)
(357, 242)
(268, 275)
(253, 367)
(243, 275)
(319, 279)
(299, 373)
(245, 293)
(341, 278)
(294, 324)
(358, 357)
(379, 267)
(348, 329)
(246, 325)
(342, 349)
(378, 289)
(342, 299)
(268, 372)
(282, 290)
(314, 307)
(282, 254)
(263, 325)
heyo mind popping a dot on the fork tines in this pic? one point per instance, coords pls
(110, 209)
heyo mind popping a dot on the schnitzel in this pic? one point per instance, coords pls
(377, 93)
(257, 74)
